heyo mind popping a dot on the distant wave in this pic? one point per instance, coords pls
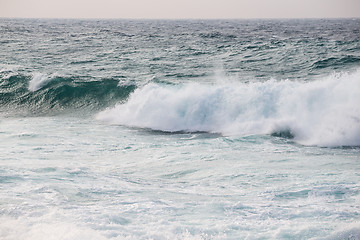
(325, 112)
(336, 62)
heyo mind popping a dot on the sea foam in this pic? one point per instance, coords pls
(325, 112)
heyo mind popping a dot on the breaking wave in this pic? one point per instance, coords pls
(39, 93)
(325, 112)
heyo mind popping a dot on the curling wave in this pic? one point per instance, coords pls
(40, 93)
(325, 112)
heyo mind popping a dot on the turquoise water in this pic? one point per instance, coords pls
(119, 129)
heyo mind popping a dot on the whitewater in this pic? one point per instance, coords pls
(323, 113)
(191, 129)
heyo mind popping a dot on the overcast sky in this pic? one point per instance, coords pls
(180, 8)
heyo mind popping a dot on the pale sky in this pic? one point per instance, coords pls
(180, 9)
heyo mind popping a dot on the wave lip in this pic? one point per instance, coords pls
(325, 112)
(38, 81)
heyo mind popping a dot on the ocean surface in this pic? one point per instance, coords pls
(191, 129)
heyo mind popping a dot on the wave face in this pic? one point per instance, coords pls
(40, 94)
(324, 112)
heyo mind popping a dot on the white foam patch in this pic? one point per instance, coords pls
(325, 112)
(38, 81)
(348, 231)
(22, 228)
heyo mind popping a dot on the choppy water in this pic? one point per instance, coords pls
(119, 129)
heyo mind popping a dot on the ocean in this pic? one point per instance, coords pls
(180, 129)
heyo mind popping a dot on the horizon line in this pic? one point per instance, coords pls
(179, 19)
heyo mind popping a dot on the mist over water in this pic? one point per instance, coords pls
(218, 129)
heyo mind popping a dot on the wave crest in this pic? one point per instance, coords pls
(325, 112)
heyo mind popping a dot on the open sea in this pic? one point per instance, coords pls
(179, 129)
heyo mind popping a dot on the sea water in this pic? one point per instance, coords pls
(157, 129)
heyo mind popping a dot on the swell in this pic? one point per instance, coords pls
(336, 62)
(56, 94)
